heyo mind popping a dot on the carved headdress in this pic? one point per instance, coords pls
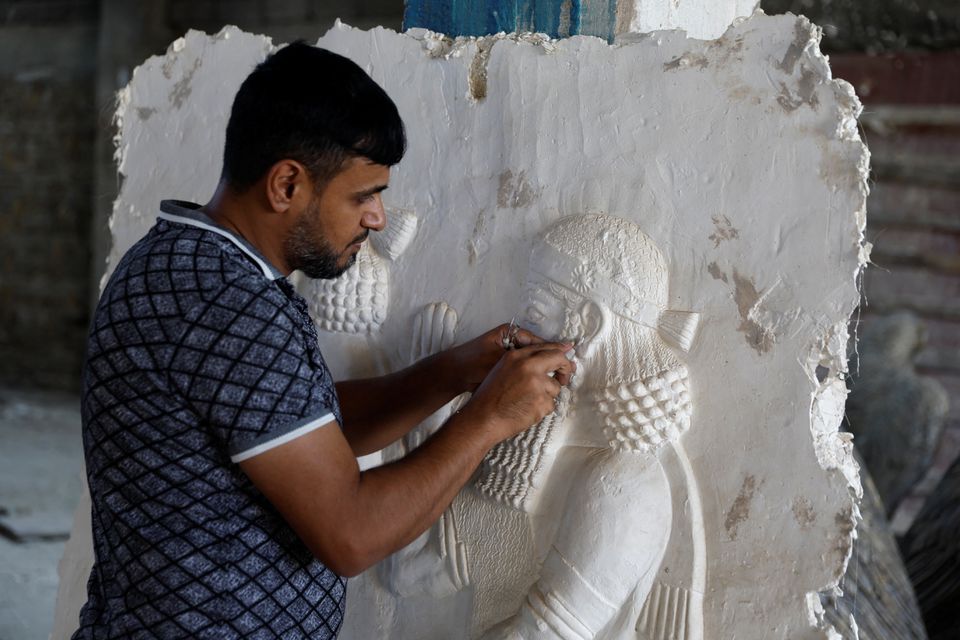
(642, 389)
(611, 260)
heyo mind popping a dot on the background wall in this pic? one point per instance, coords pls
(48, 126)
(61, 61)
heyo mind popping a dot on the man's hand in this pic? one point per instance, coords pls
(522, 387)
(473, 360)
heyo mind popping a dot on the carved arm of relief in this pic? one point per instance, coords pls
(612, 538)
(434, 564)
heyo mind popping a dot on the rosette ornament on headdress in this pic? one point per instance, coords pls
(610, 260)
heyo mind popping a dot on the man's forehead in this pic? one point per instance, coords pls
(361, 173)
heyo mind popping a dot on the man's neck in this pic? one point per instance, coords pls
(241, 214)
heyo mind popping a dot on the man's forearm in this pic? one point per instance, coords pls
(378, 411)
(393, 504)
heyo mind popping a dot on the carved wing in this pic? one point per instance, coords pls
(673, 609)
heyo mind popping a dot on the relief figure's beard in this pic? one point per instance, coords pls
(514, 472)
(647, 413)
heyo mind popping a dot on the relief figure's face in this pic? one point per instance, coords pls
(543, 312)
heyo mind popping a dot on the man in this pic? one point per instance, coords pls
(221, 458)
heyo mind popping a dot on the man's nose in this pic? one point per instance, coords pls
(375, 217)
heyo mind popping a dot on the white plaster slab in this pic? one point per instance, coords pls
(739, 158)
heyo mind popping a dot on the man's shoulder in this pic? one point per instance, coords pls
(185, 262)
(177, 281)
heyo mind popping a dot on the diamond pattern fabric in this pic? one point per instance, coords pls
(200, 355)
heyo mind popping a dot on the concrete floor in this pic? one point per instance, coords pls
(40, 479)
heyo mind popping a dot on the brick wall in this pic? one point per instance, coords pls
(60, 63)
(47, 128)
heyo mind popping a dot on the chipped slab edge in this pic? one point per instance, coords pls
(833, 447)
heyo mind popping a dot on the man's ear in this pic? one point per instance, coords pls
(595, 322)
(287, 186)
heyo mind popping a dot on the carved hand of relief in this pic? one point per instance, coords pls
(434, 330)
(434, 564)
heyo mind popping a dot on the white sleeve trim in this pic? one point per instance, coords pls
(322, 421)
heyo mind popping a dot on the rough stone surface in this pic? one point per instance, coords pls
(738, 158)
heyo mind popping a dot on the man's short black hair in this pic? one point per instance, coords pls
(308, 104)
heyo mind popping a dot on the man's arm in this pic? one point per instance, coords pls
(379, 411)
(352, 519)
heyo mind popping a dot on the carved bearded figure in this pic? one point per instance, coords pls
(605, 472)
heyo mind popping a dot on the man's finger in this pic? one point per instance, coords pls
(524, 338)
(562, 347)
(553, 387)
(554, 361)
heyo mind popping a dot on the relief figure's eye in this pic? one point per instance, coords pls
(534, 315)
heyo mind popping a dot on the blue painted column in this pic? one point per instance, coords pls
(557, 18)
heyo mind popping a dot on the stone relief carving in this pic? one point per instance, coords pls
(515, 471)
(611, 494)
(397, 236)
(624, 553)
(434, 329)
(357, 301)
(679, 177)
(434, 564)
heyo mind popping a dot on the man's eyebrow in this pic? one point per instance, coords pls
(370, 191)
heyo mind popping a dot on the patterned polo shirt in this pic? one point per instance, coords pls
(200, 355)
